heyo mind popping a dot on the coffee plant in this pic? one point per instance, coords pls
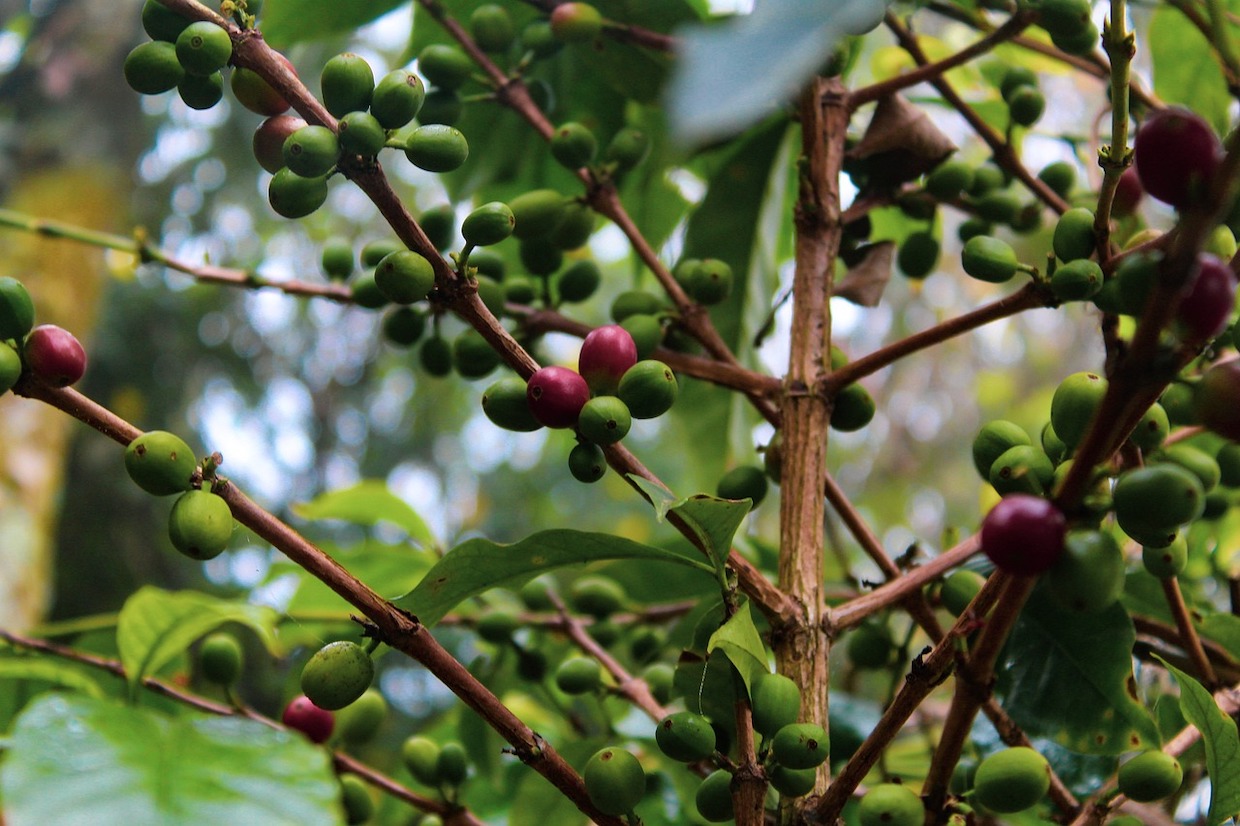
(826, 413)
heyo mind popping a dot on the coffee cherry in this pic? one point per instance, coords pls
(1207, 301)
(993, 440)
(604, 420)
(447, 67)
(891, 804)
(576, 22)
(853, 408)
(1011, 780)
(360, 720)
(578, 281)
(573, 145)
(421, 757)
(1023, 535)
(160, 463)
(220, 658)
(987, 258)
(685, 736)
(800, 745)
(54, 355)
(712, 282)
(949, 179)
(614, 781)
(203, 48)
(359, 807)
(473, 356)
(161, 22)
(506, 405)
(492, 27)
(1216, 399)
(1073, 405)
(348, 83)
(435, 356)
(714, 797)
(337, 259)
(648, 388)
(337, 674)
(1196, 461)
(628, 147)
(16, 309)
(998, 207)
(556, 396)
(540, 256)
(1151, 775)
(635, 302)
(537, 212)
(293, 196)
(1026, 106)
(452, 767)
(10, 367)
(538, 39)
(579, 675)
(520, 290)
(436, 148)
(792, 782)
(606, 355)
(304, 716)
(959, 589)
(200, 524)
(1228, 459)
(1077, 280)
(397, 98)
(1176, 155)
(255, 93)
(1060, 176)
(1088, 577)
(775, 701)
(488, 224)
(201, 92)
(1052, 445)
(743, 482)
(361, 134)
(660, 677)
(587, 463)
(498, 626)
(918, 255)
(269, 140)
(366, 292)
(1021, 469)
(442, 106)
(405, 276)
(598, 596)
(1074, 234)
(311, 151)
(870, 646)
(152, 68)
(1128, 194)
(1153, 501)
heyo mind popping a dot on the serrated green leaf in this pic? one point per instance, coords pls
(726, 79)
(478, 565)
(47, 669)
(714, 521)
(740, 642)
(367, 503)
(155, 626)
(1222, 742)
(1185, 68)
(1067, 680)
(285, 22)
(79, 760)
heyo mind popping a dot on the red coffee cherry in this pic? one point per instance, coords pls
(1216, 399)
(1176, 154)
(1023, 534)
(1208, 299)
(1128, 193)
(556, 396)
(269, 140)
(312, 721)
(606, 353)
(54, 355)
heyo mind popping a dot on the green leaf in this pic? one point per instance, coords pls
(391, 570)
(1185, 69)
(1067, 679)
(367, 503)
(48, 669)
(1218, 732)
(727, 78)
(478, 565)
(1223, 629)
(156, 626)
(285, 22)
(83, 760)
(740, 642)
(714, 521)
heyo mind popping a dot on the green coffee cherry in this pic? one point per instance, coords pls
(538, 39)
(492, 27)
(711, 282)
(1151, 502)
(579, 675)
(337, 259)
(201, 92)
(587, 463)
(1012, 780)
(405, 276)
(853, 409)
(152, 68)
(1021, 469)
(1077, 280)
(540, 256)
(161, 22)
(973, 227)
(452, 768)
(628, 147)
(348, 83)
(359, 721)
(714, 797)
(442, 106)
(1060, 176)
(1073, 405)
(488, 224)
(578, 281)
(614, 781)
(959, 589)
(989, 259)
(1196, 461)
(800, 745)
(576, 22)
(743, 482)
(519, 289)
(10, 367)
(998, 207)
(1088, 576)
(792, 782)
(505, 404)
(1151, 775)
(1228, 458)
(775, 701)
(293, 196)
(359, 807)
(203, 48)
(870, 646)
(634, 302)
(604, 420)
(436, 148)
(537, 212)
(255, 93)
(421, 758)
(366, 292)
(337, 675)
(375, 251)
(1052, 445)
(498, 626)
(220, 658)
(949, 179)
(918, 255)
(311, 151)
(16, 309)
(397, 98)
(472, 355)
(447, 67)
(993, 440)
(575, 229)
(404, 326)
(660, 677)
(1014, 79)
(1026, 106)
(1074, 234)
(160, 463)
(647, 333)
(361, 134)
(1152, 430)
(648, 388)
(573, 145)
(200, 524)
(685, 736)
(598, 596)
(435, 356)
(891, 804)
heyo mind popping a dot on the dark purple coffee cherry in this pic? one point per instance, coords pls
(269, 140)
(54, 355)
(1128, 194)
(304, 716)
(606, 354)
(1208, 300)
(556, 396)
(1176, 155)
(1023, 534)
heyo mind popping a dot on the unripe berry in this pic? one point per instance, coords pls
(219, 658)
(505, 403)
(441, 106)
(488, 224)
(1073, 405)
(800, 745)
(293, 196)
(614, 780)
(987, 258)
(436, 148)
(604, 420)
(1176, 155)
(587, 463)
(537, 212)
(337, 674)
(574, 229)
(269, 140)
(1151, 775)
(648, 388)
(1023, 534)
(360, 719)
(1088, 577)
(578, 281)
(54, 355)
(628, 148)
(201, 91)
(743, 482)
(255, 93)
(473, 356)
(891, 804)
(347, 82)
(1074, 234)
(397, 99)
(160, 463)
(203, 48)
(492, 27)
(1060, 176)
(304, 716)
(200, 524)
(556, 396)
(446, 67)
(10, 367)
(359, 807)
(161, 22)
(16, 309)
(573, 145)
(1077, 280)
(1012, 780)
(714, 797)
(421, 758)
(776, 702)
(311, 151)
(685, 736)
(405, 276)
(452, 767)
(579, 675)
(598, 596)
(576, 22)
(361, 134)
(152, 68)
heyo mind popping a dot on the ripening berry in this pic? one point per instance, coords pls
(1023, 534)
(1176, 154)
(54, 355)
(576, 22)
(304, 716)
(556, 396)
